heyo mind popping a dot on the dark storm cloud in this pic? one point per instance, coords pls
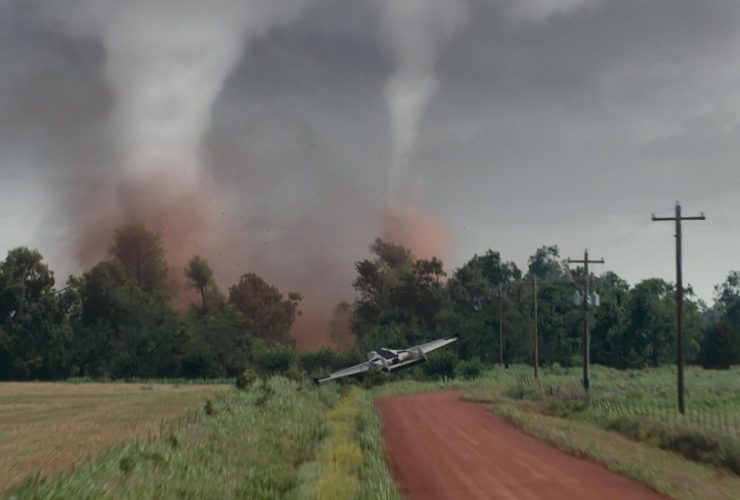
(52, 95)
(564, 122)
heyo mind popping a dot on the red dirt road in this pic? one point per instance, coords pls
(444, 448)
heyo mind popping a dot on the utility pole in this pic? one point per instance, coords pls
(586, 341)
(679, 299)
(500, 325)
(536, 354)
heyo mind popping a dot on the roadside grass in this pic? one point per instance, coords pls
(47, 428)
(350, 460)
(665, 472)
(631, 414)
(493, 379)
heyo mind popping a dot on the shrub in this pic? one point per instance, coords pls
(277, 359)
(317, 362)
(441, 366)
(470, 369)
(246, 379)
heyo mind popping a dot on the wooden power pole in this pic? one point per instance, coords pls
(679, 300)
(586, 340)
(500, 325)
(536, 353)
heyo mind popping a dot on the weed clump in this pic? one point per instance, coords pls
(126, 464)
(246, 379)
(565, 408)
(209, 408)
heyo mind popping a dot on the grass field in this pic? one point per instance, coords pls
(285, 439)
(278, 439)
(47, 428)
(712, 397)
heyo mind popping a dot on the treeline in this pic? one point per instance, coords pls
(121, 319)
(404, 301)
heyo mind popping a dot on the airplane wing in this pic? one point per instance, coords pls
(407, 364)
(346, 372)
(435, 344)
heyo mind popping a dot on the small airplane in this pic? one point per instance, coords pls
(388, 360)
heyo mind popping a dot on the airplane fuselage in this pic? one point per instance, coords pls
(385, 359)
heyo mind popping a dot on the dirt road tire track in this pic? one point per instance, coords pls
(443, 448)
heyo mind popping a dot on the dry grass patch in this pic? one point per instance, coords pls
(47, 428)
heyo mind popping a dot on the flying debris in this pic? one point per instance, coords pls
(388, 360)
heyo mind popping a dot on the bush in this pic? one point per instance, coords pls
(441, 366)
(277, 359)
(470, 369)
(246, 379)
(317, 362)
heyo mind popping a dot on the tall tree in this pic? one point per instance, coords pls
(25, 278)
(200, 277)
(475, 296)
(142, 254)
(399, 299)
(33, 318)
(721, 347)
(609, 317)
(273, 315)
(545, 263)
(125, 330)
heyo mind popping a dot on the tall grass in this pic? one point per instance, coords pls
(349, 463)
(276, 439)
(640, 404)
(250, 446)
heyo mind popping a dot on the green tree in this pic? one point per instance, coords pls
(378, 278)
(721, 347)
(272, 314)
(24, 278)
(33, 318)
(474, 294)
(142, 254)
(400, 300)
(200, 277)
(219, 343)
(545, 263)
(648, 333)
(125, 330)
(609, 318)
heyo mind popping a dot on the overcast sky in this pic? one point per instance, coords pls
(514, 123)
